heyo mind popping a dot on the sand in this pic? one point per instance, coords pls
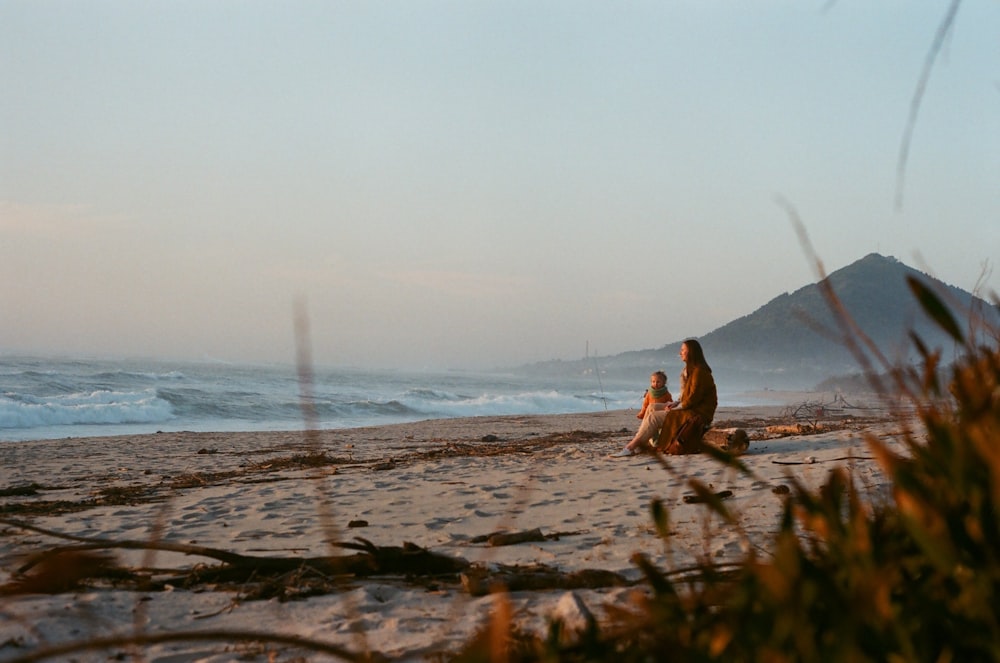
(442, 485)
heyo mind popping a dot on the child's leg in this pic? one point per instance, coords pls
(647, 429)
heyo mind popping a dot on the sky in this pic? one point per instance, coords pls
(454, 184)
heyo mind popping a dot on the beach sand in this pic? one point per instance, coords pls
(443, 485)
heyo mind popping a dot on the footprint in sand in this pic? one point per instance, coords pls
(439, 523)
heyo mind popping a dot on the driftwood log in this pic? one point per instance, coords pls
(732, 440)
(510, 538)
(504, 538)
(369, 560)
(69, 567)
(479, 581)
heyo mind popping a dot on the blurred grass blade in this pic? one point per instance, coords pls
(658, 582)
(711, 500)
(661, 518)
(727, 458)
(935, 308)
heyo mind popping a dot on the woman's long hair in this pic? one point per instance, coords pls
(696, 356)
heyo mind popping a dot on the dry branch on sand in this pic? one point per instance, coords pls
(479, 581)
(66, 568)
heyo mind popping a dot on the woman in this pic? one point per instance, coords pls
(696, 406)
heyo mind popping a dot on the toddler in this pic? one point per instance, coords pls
(657, 393)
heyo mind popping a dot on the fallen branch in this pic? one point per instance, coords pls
(408, 559)
(223, 636)
(504, 538)
(478, 581)
(698, 499)
(296, 577)
(812, 460)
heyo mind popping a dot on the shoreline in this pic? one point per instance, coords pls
(439, 484)
(764, 398)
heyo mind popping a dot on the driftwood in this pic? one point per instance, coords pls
(479, 581)
(63, 572)
(732, 440)
(511, 538)
(504, 538)
(65, 568)
(370, 560)
(701, 499)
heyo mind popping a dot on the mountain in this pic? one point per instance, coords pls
(783, 345)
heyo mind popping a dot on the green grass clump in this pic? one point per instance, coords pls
(911, 578)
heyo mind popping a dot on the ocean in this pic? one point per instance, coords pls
(43, 398)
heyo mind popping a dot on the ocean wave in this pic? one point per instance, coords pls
(362, 410)
(545, 401)
(96, 407)
(152, 376)
(52, 398)
(432, 395)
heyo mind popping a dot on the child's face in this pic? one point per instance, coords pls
(656, 382)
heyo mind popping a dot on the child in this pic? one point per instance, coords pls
(657, 392)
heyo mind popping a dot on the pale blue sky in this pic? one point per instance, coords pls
(470, 184)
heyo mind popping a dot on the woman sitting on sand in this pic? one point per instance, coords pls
(696, 405)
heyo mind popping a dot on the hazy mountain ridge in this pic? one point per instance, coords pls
(781, 344)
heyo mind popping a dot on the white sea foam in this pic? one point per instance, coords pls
(95, 407)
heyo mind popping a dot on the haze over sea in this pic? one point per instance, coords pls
(42, 398)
